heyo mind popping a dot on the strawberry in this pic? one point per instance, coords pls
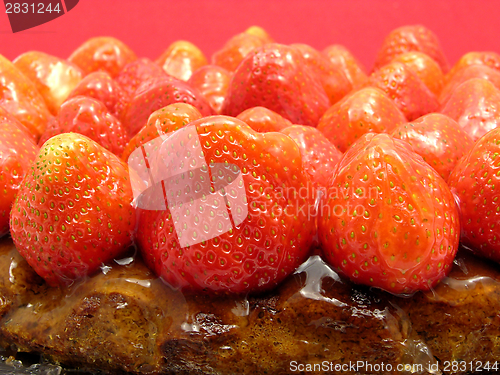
(406, 89)
(102, 54)
(53, 77)
(19, 96)
(133, 74)
(260, 32)
(91, 118)
(438, 139)
(73, 210)
(181, 59)
(490, 59)
(7, 117)
(474, 182)
(389, 220)
(411, 38)
(162, 121)
(425, 68)
(157, 93)
(100, 86)
(319, 155)
(334, 81)
(263, 120)
(475, 106)
(202, 245)
(17, 150)
(466, 73)
(343, 60)
(236, 49)
(212, 82)
(277, 77)
(363, 111)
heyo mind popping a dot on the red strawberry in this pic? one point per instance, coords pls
(490, 59)
(389, 220)
(343, 60)
(133, 74)
(438, 139)
(319, 155)
(411, 38)
(53, 77)
(17, 150)
(403, 86)
(100, 86)
(425, 68)
(334, 81)
(202, 245)
(19, 96)
(276, 77)
(73, 211)
(102, 54)
(7, 117)
(212, 82)
(260, 32)
(181, 59)
(263, 120)
(475, 106)
(364, 111)
(91, 118)
(474, 181)
(162, 121)
(157, 93)
(236, 49)
(466, 73)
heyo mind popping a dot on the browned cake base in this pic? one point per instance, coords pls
(126, 320)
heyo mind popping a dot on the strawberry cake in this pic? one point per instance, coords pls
(275, 210)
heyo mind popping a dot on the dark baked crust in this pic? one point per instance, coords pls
(126, 320)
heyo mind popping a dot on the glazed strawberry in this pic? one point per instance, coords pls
(411, 38)
(475, 106)
(389, 220)
(438, 139)
(363, 111)
(157, 93)
(425, 68)
(17, 150)
(466, 73)
(133, 74)
(406, 89)
(490, 59)
(100, 86)
(276, 77)
(181, 59)
(102, 54)
(260, 32)
(343, 60)
(73, 211)
(162, 121)
(9, 118)
(19, 96)
(212, 82)
(335, 83)
(263, 120)
(91, 118)
(474, 181)
(319, 155)
(236, 49)
(245, 238)
(53, 77)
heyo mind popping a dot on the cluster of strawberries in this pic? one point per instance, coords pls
(385, 173)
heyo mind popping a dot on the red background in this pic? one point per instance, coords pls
(149, 26)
